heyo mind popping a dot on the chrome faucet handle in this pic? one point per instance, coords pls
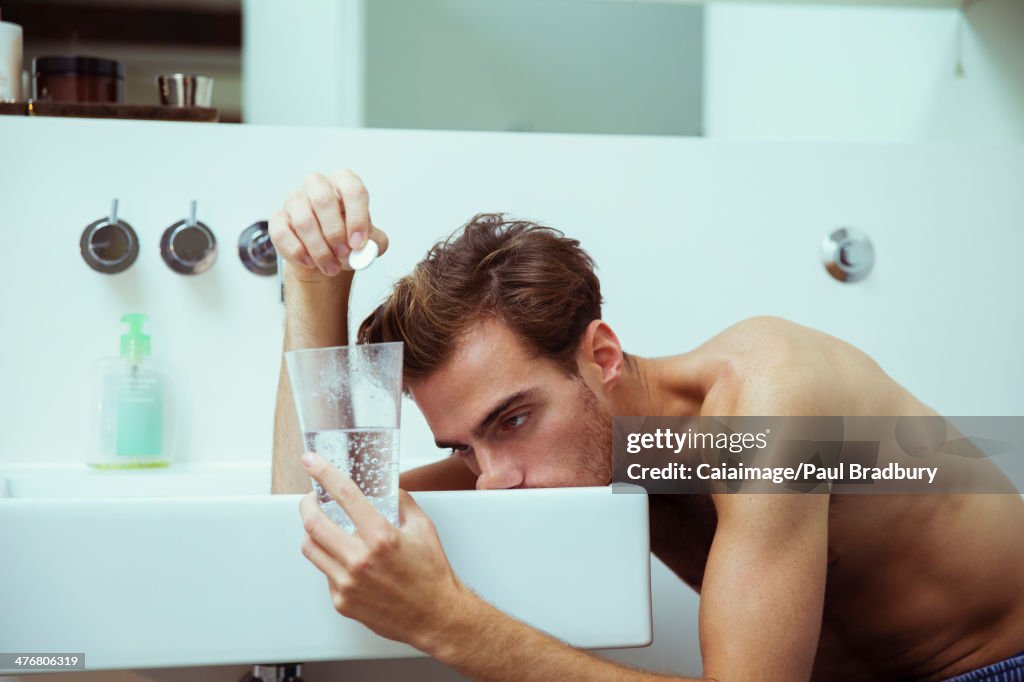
(188, 246)
(109, 245)
(848, 254)
(256, 250)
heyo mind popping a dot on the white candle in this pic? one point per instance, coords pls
(10, 62)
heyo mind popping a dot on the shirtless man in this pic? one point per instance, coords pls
(506, 353)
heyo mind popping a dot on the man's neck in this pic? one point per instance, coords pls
(671, 386)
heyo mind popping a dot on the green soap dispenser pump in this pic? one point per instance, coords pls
(133, 415)
(134, 344)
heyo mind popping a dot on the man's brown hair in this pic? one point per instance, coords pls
(529, 276)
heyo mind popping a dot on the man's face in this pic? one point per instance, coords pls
(516, 420)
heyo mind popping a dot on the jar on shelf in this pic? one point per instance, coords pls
(74, 78)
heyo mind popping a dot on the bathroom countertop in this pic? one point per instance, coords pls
(178, 479)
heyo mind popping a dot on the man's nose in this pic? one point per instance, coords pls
(496, 474)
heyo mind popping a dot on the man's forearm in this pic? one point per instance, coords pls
(316, 315)
(481, 642)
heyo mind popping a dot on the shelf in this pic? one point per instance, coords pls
(903, 4)
(149, 112)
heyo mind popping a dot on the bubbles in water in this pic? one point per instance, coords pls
(370, 457)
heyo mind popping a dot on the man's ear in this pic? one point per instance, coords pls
(601, 352)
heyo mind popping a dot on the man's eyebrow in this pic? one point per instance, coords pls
(499, 408)
(491, 416)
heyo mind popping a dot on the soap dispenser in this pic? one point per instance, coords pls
(133, 429)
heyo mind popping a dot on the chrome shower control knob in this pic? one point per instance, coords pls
(109, 245)
(848, 254)
(188, 249)
(188, 246)
(256, 250)
(854, 254)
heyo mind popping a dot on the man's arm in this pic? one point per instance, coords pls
(764, 587)
(398, 582)
(760, 609)
(484, 643)
(314, 232)
(763, 592)
(316, 316)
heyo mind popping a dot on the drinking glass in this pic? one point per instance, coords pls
(348, 400)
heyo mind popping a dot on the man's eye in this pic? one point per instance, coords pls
(461, 450)
(516, 421)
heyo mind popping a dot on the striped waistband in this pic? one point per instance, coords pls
(1007, 670)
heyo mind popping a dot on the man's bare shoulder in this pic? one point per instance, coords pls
(771, 365)
(766, 336)
(759, 348)
(762, 343)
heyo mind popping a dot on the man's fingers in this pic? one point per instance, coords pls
(368, 521)
(323, 560)
(307, 228)
(356, 201)
(327, 208)
(408, 509)
(381, 237)
(327, 534)
(287, 243)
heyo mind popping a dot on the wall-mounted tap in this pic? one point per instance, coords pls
(109, 245)
(256, 250)
(848, 254)
(188, 246)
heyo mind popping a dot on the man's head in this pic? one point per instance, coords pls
(506, 353)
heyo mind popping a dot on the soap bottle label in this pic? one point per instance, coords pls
(140, 417)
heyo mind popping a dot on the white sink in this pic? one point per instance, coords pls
(179, 480)
(202, 577)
